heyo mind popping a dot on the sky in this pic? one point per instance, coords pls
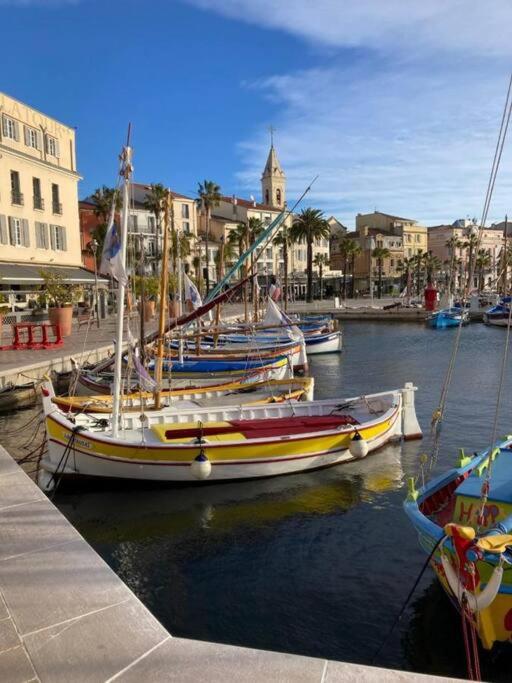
(394, 105)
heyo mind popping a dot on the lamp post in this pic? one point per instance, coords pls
(93, 245)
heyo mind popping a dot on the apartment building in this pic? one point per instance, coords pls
(39, 225)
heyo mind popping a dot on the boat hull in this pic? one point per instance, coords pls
(324, 343)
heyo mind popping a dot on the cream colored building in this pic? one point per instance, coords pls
(414, 236)
(39, 224)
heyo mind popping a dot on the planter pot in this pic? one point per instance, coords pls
(62, 316)
(149, 310)
(173, 309)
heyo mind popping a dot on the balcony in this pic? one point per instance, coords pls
(57, 208)
(17, 198)
(38, 203)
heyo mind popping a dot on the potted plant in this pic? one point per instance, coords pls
(151, 290)
(173, 299)
(60, 297)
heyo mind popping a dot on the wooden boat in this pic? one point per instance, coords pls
(195, 376)
(224, 442)
(323, 342)
(499, 315)
(448, 317)
(470, 535)
(15, 396)
(229, 393)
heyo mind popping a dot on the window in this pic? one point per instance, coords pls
(417, 238)
(392, 262)
(185, 211)
(56, 205)
(36, 189)
(278, 197)
(151, 248)
(409, 253)
(32, 137)
(52, 146)
(16, 196)
(42, 241)
(186, 227)
(269, 253)
(151, 223)
(58, 237)
(266, 197)
(409, 237)
(9, 128)
(16, 232)
(133, 222)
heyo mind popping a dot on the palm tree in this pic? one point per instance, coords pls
(283, 241)
(453, 244)
(406, 267)
(470, 245)
(432, 265)
(103, 198)
(483, 262)
(320, 261)
(344, 250)
(309, 226)
(196, 264)
(354, 251)
(208, 196)
(418, 266)
(154, 201)
(380, 253)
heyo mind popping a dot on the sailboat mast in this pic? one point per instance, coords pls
(164, 282)
(126, 171)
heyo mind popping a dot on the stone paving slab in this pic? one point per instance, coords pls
(66, 617)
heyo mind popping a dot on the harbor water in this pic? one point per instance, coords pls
(318, 563)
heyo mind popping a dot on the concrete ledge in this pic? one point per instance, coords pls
(65, 616)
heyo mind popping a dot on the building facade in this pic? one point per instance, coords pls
(39, 225)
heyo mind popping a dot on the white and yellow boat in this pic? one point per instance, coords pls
(228, 393)
(224, 442)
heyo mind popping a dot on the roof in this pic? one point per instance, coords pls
(139, 192)
(250, 204)
(389, 215)
(21, 273)
(272, 167)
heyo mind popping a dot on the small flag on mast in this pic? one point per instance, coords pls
(191, 292)
(111, 260)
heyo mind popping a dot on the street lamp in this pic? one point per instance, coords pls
(93, 246)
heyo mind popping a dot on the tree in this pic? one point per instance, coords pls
(208, 196)
(154, 201)
(320, 261)
(355, 250)
(453, 244)
(380, 253)
(406, 267)
(418, 266)
(470, 245)
(103, 198)
(483, 262)
(283, 241)
(309, 226)
(432, 265)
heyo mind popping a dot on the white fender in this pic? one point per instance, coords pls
(201, 467)
(358, 446)
(476, 603)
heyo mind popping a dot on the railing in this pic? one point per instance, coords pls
(57, 208)
(38, 202)
(17, 197)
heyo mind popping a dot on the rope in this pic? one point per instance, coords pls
(406, 602)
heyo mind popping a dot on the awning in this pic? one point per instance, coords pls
(28, 274)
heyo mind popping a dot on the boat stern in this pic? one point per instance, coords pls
(410, 426)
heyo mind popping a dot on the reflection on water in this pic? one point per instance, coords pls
(316, 563)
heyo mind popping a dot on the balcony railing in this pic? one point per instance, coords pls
(38, 202)
(57, 208)
(17, 198)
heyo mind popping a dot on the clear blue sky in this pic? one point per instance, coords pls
(396, 109)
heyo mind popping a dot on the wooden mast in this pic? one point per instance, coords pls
(164, 285)
(220, 274)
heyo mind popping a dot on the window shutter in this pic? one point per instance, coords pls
(27, 135)
(16, 131)
(39, 140)
(64, 240)
(25, 232)
(57, 149)
(46, 143)
(52, 236)
(39, 236)
(44, 227)
(12, 236)
(4, 126)
(3, 230)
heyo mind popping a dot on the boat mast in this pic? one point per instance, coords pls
(179, 286)
(220, 275)
(164, 282)
(126, 172)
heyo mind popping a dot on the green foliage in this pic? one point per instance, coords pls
(309, 226)
(151, 286)
(57, 292)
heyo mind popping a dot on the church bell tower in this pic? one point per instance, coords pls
(273, 179)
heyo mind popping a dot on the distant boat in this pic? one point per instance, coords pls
(448, 317)
(499, 315)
